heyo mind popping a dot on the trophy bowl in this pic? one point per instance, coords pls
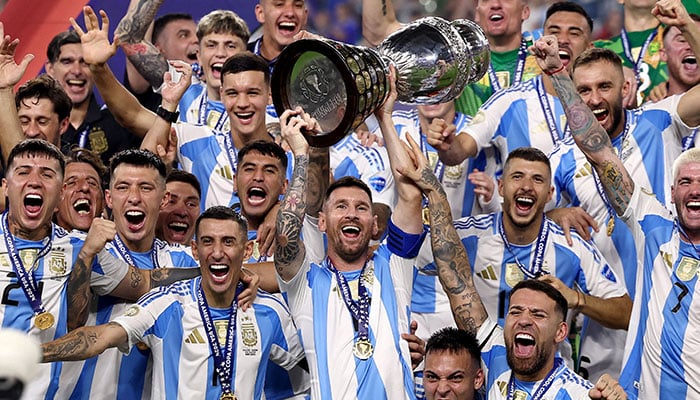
(340, 85)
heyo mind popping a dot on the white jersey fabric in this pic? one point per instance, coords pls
(566, 384)
(51, 274)
(168, 320)
(197, 108)
(662, 343)
(328, 333)
(111, 375)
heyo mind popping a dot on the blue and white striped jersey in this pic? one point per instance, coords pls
(567, 385)
(167, 319)
(111, 375)
(662, 344)
(51, 274)
(194, 102)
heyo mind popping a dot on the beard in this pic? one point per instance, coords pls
(527, 367)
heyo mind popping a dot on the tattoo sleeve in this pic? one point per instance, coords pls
(83, 343)
(454, 270)
(78, 292)
(131, 32)
(290, 250)
(595, 143)
(318, 179)
(167, 276)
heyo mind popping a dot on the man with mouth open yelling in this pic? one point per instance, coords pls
(83, 198)
(176, 218)
(204, 345)
(660, 338)
(281, 20)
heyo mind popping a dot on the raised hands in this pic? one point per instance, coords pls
(10, 71)
(175, 86)
(95, 40)
(292, 122)
(546, 52)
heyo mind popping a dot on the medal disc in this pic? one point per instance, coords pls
(44, 320)
(363, 349)
(227, 396)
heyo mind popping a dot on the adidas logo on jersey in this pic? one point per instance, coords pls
(584, 171)
(225, 172)
(488, 273)
(195, 338)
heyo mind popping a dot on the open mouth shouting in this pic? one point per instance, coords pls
(219, 272)
(82, 207)
(33, 203)
(135, 220)
(524, 345)
(256, 196)
(287, 28)
(216, 69)
(351, 231)
(523, 204)
(690, 63)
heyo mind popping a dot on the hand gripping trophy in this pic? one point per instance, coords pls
(341, 85)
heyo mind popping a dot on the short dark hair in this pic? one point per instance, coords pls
(45, 87)
(178, 175)
(223, 21)
(590, 56)
(569, 6)
(139, 158)
(454, 340)
(37, 147)
(693, 16)
(347, 181)
(221, 213)
(245, 61)
(81, 155)
(561, 305)
(53, 51)
(528, 154)
(161, 22)
(266, 148)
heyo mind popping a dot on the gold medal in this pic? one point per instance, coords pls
(363, 349)
(44, 320)
(611, 225)
(227, 396)
(426, 216)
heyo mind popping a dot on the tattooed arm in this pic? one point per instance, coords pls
(290, 250)
(319, 176)
(84, 343)
(138, 282)
(131, 32)
(588, 134)
(378, 20)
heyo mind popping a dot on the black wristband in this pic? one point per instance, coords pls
(169, 116)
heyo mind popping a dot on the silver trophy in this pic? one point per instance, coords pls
(341, 85)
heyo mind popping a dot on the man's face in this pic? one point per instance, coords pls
(686, 196)
(39, 120)
(245, 96)
(281, 19)
(602, 87)
(178, 41)
(82, 197)
(177, 217)
(501, 18)
(33, 188)
(525, 187)
(451, 376)
(348, 222)
(532, 331)
(260, 180)
(220, 248)
(681, 61)
(214, 49)
(572, 32)
(71, 71)
(135, 195)
(445, 111)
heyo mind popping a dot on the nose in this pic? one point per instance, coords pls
(32, 130)
(134, 195)
(443, 388)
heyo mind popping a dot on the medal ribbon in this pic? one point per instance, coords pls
(26, 280)
(535, 269)
(542, 389)
(549, 113)
(628, 50)
(126, 254)
(231, 151)
(689, 141)
(358, 309)
(598, 184)
(204, 112)
(83, 137)
(519, 68)
(223, 358)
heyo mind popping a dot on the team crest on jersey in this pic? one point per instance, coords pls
(519, 395)
(368, 275)
(57, 263)
(28, 257)
(98, 140)
(513, 274)
(249, 336)
(131, 311)
(377, 183)
(687, 268)
(454, 172)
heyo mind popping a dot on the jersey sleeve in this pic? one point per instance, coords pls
(486, 121)
(107, 272)
(600, 279)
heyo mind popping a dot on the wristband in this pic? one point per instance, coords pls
(169, 116)
(555, 71)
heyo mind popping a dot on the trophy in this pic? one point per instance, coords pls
(340, 85)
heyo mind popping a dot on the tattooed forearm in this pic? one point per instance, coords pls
(76, 345)
(148, 61)
(132, 28)
(454, 270)
(289, 248)
(167, 276)
(431, 181)
(595, 143)
(78, 291)
(318, 179)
